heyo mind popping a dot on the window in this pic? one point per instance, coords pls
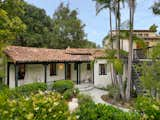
(88, 66)
(21, 71)
(53, 69)
(102, 69)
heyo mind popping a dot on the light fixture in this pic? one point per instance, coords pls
(61, 66)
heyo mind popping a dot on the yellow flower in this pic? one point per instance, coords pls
(30, 116)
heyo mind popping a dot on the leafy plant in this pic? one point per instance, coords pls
(148, 108)
(63, 85)
(92, 111)
(40, 106)
(68, 94)
(31, 88)
(82, 99)
(113, 91)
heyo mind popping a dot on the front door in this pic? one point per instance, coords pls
(68, 71)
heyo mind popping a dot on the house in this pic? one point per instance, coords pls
(150, 39)
(28, 64)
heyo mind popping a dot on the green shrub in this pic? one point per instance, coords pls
(24, 90)
(92, 111)
(3, 86)
(82, 99)
(149, 108)
(62, 85)
(70, 93)
(113, 91)
(31, 88)
(40, 106)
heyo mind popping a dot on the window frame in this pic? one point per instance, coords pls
(53, 69)
(102, 69)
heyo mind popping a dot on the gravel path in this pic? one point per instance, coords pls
(96, 96)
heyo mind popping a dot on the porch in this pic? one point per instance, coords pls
(49, 72)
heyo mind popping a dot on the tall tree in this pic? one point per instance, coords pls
(156, 8)
(107, 4)
(118, 25)
(10, 26)
(132, 4)
(68, 28)
(153, 28)
(44, 31)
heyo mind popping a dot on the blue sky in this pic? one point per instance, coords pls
(98, 26)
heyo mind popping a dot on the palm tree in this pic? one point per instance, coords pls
(107, 4)
(132, 5)
(117, 4)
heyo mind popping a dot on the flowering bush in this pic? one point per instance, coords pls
(40, 106)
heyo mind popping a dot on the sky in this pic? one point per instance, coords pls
(97, 26)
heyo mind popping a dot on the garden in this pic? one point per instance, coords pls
(36, 102)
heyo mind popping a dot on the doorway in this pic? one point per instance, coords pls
(68, 71)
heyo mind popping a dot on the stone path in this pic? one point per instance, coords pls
(96, 96)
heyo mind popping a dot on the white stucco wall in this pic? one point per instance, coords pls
(60, 73)
(35, 73)
(86, 75)
(12, 77)
(101, 80)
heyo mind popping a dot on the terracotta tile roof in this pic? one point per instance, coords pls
(137, 30)
(30, 54)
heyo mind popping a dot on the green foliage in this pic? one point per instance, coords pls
(92, 111)
(44, 31)
(83, 99)
(113, 91)
(118, 66)
(151, 72)
(24, 90)
(156, 8)
(3, 86)
(153, 28)
(10, 22)
(40, 106)
(149, 108)
(63, 85)
(27, 89)
(70, 93)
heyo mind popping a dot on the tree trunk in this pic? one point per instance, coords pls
(113, 77)
(120, 82)
(129, 81)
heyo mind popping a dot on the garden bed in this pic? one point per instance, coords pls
(120, 103)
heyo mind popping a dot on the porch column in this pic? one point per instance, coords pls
(65, 72)
(45, 73)
(79, 73)
(8, 73)
(16, 75)
(93, 74)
